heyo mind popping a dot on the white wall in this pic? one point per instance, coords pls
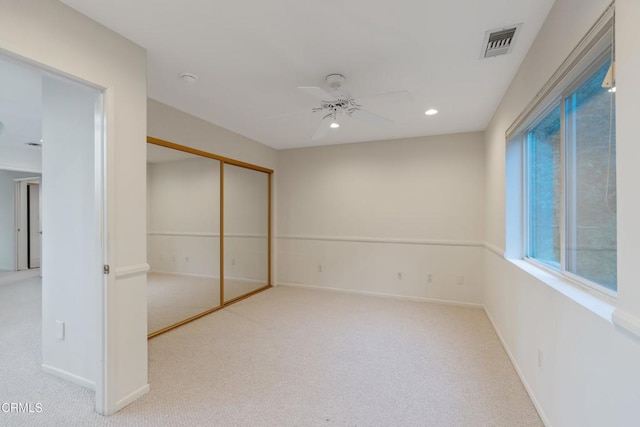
(365, 212)
(628, 157)
(173, 125)
(590, 371)
(7, 217)
(71, 246)
(55, 36)
(20, 109)
(20, 159)
(183, 211)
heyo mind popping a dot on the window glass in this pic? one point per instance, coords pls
(545, 190)
(591, 181)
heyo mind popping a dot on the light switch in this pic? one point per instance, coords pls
(59, 329)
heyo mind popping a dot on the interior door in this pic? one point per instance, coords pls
(35, 238)
(21, 215)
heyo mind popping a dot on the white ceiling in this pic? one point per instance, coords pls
(251, 55)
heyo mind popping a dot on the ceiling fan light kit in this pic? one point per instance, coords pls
(338, 104)
(335, 81)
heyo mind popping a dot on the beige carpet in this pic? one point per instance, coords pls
(12, 276)
(295, 357)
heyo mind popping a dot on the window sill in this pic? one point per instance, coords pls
(589, 301)
(627, 323)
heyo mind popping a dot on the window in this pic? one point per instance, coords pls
(568, 168)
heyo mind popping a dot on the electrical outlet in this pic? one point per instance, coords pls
(186, 259)
(400, 277)
(319, 268)
(233, 261)
(429, 278)
(173, 258)
(460, 280)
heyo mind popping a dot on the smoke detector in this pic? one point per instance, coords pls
(499, 41)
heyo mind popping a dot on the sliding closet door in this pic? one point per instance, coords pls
(183, 227)
(246, 231)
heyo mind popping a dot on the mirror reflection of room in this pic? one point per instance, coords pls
(246, 225)
(183, 235)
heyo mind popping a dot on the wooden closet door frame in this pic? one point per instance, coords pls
(223, 161)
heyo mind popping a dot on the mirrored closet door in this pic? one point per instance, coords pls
(246, 228)
(183, 235)
(208, 233)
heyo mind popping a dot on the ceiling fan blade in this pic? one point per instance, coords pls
(317, 92)
(371, 118)
(397, 96)
(322, 130)
(290, 114)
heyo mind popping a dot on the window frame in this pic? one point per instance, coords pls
(593, 51)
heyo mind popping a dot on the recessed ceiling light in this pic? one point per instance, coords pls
(431, 112)
(189, 78)
(334, 125)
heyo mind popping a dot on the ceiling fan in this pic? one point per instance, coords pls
(338, 104)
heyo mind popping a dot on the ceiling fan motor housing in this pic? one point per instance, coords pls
(335, 81)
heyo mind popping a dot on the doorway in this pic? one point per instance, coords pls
(52, 146)
(28, 224)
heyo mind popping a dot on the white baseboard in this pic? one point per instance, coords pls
(88, 384)
(131, 397)
(532, 396)
(383, 295)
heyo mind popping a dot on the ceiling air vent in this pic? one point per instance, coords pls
(499, 41)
